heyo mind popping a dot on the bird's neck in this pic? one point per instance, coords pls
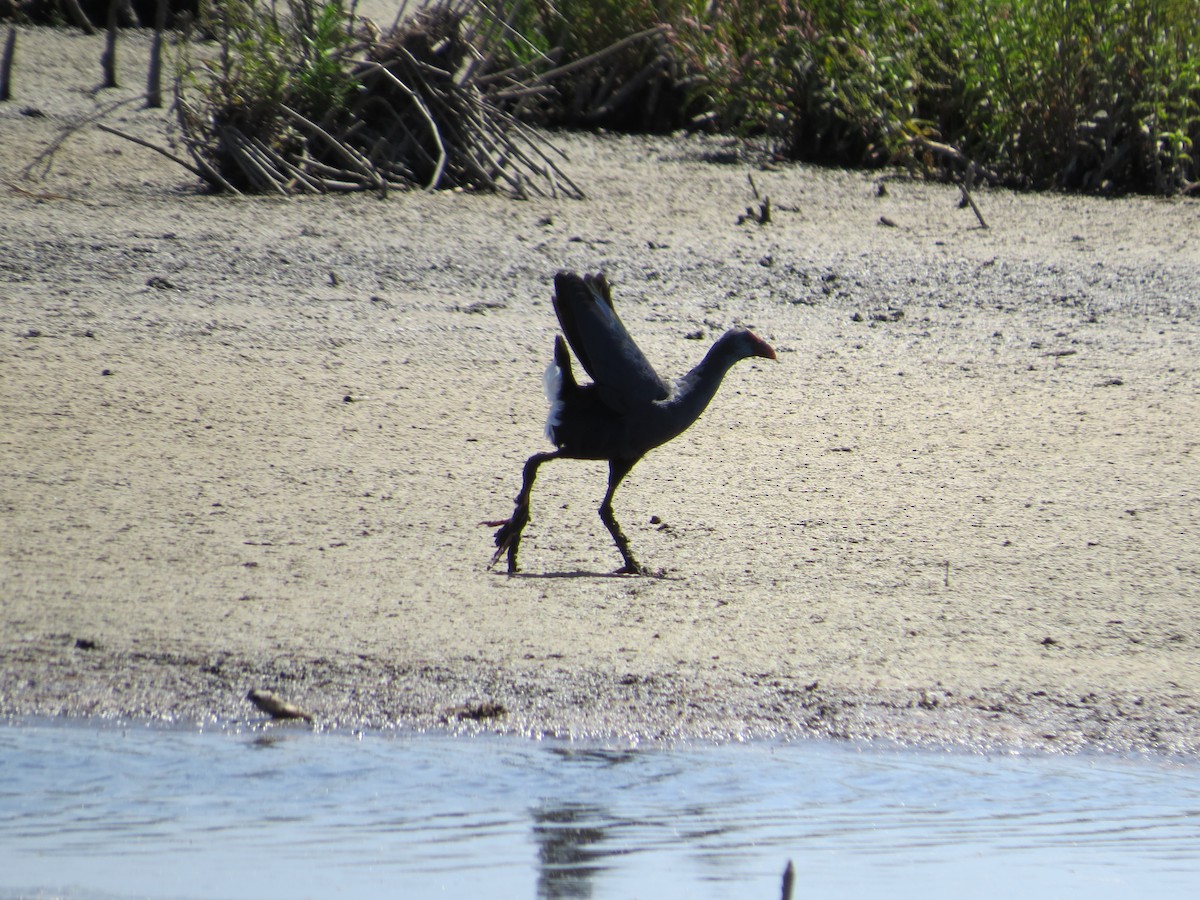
(695, 390)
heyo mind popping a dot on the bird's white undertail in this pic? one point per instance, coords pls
(552, 382)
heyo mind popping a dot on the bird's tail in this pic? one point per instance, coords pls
(558, 381)
(552, 381)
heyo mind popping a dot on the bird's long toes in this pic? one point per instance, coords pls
(506, 539)
(630, 568)
(496, 556)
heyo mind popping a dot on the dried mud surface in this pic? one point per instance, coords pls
(249, 443)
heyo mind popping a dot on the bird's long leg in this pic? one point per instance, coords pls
(618, 469)
(508, 537)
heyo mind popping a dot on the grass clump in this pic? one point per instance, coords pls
(239, 110)
(611, 63)
(311, 99)
(839, 82)
(1096, 95)
(1099, 95)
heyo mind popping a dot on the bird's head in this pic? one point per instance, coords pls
(745, 342)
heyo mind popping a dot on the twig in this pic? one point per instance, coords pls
(326, 171)
(149, 146)
(79, 17)
(36, 195)
(962, 186)
(47, 155)
(967, 165)
(440, 167)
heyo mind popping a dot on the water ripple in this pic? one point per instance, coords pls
(101, 811)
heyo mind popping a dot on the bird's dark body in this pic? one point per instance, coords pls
(589, 429)
(626, 411)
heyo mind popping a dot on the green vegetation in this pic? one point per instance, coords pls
(313, 99)
(265, 63)
(1094, 95)
(1099, 95)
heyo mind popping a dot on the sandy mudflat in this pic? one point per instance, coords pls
(249, 443)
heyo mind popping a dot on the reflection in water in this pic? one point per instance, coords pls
(568, 855)
(569, 835)
(96, 810)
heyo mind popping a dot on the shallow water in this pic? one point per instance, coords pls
(97, 810)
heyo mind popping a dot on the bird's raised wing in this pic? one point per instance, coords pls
(620, 370)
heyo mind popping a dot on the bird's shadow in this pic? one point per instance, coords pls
(584, 573)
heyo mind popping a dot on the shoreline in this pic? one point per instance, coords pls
(78, 680)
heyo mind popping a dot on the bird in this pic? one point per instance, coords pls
(626, 411)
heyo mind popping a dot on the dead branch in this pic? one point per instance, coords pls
(593, 58)
(78, 16)
(149, 146)
(965, 167)
(46, 157)
(440, 167)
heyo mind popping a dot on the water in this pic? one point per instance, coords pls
(101, 811)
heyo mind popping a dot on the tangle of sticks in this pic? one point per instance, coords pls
(420, 106)
(417, 115)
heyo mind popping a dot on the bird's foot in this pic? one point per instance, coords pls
(508, 537)
(631, 567)
(499, 552)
